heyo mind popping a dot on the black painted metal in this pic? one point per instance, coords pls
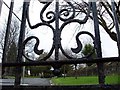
(55, 17)
(7, 37)
(98, 44)
(62, 62)
(116, 25)
(20, 46)
(76, 87)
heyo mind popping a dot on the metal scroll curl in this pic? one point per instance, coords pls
(78, 42)
(79, 45)
(41, 23)
(66, 12)
(38, 52)
(51, 16)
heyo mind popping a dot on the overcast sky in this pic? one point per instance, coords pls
(109, 47)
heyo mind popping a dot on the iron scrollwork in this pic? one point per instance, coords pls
(66, 17)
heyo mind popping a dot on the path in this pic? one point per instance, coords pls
(27, 81)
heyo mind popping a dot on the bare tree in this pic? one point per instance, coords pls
(105, 14)
(12, 42)
(13, 35)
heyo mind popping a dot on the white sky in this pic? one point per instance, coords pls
(109, 47)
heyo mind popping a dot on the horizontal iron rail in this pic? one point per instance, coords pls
(62, 87)
(62, 62)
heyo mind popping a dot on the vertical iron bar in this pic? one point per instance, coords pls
(116, 25)
(98, 44)
(4, 55)
(1, 2)
(57, 31)
(20, 48)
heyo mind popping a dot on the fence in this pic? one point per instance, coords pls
(66, 15)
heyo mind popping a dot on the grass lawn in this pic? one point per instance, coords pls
(115, 79)
(84, 80)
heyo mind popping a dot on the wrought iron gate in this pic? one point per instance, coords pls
(66, 17)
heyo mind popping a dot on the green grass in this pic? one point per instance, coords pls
(113, 79)
(84, 80)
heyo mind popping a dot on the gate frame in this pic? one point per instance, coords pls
(56, 42)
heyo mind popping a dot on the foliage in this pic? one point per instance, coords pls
(65, 69)
(88, 49)
(11, 57)
(11, 47)
(12, 53)
(41, 71)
